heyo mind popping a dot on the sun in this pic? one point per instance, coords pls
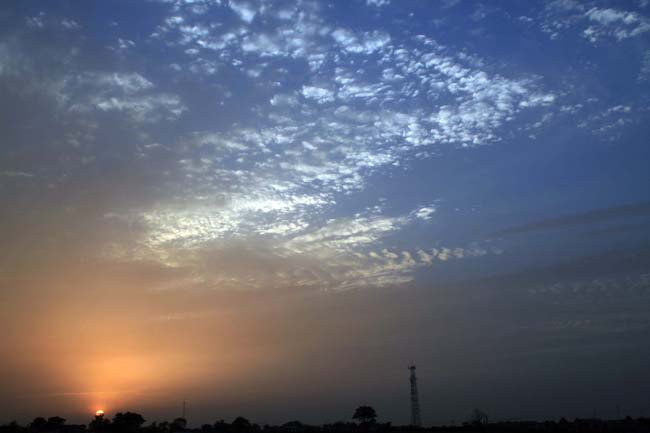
(99, 412)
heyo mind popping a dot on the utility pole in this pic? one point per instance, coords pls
(415, 401)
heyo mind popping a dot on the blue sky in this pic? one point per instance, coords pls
(347, 151)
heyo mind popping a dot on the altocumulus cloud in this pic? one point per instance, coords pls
(272, 183)
(280, 182)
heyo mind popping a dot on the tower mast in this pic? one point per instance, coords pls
(415, 401)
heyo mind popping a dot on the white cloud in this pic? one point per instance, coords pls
(596, 23)
(610, 16)
(124, 44)
(275, 178)
(130, 93)
(124, 82)
(318, 94)
(344, 234)
(70, 24)
(612, 22)
(244, 10)
(36, 21)
(425, 213)
(262, 44)
(425, 257)
(378, 3)
(143, 108)
(364, 43)
(284, 100)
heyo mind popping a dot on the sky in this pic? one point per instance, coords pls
(272, 208)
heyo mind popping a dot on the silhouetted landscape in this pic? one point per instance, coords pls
(130, 422)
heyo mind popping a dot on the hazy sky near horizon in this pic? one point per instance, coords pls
(272, 208)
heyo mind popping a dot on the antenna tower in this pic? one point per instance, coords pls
(415, 401)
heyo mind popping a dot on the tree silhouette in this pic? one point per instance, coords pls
(54, 423)
(178, 424)
(12, 427)
(39, 423)
(241, 424)
(478, 418)
(164, 427)
(221, 426)
(99, 424)
(127, 422)
(365, 414)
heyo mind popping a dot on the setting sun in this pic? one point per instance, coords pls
(99, 412)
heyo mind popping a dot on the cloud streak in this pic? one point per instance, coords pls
(583, 218)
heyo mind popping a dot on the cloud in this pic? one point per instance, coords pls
(123, 45)
(46, 21)
(319, 139)
(126, 83)
(240, 214)
(319, 94)
(11, 173)
(130, 93)
(644, 70)
(447, 4)
(378, 3)
(613, 22)
(365, 43)
(343, 234)
(614, 230)
(294, 248)
(597, 23)
(262, 44)
(425, 213)
(36, 21)
(301, 144)
(70, 24)
(444, 254)
(244, 10)
(590, 217)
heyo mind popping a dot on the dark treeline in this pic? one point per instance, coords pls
(364, 422)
